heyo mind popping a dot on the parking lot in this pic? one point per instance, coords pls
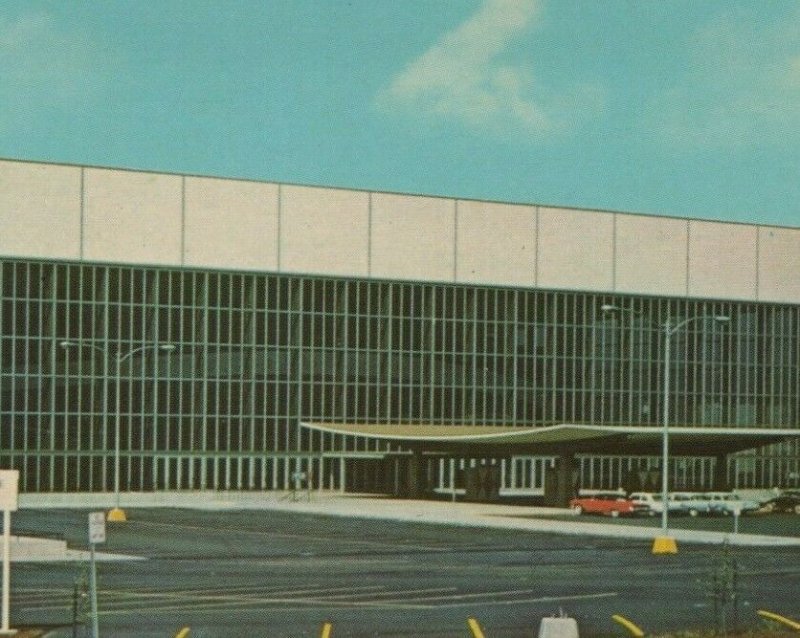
(283, 572)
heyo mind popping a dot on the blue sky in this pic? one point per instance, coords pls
(675, 107)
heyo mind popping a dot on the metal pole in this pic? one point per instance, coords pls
(118, 359)
(665, 434)
(669, 330)
(453, 479)
(6, 569)
(75, 594)
(104, 464)
(117, 431)
(93, 593)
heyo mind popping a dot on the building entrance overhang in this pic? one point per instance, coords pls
(560, 439)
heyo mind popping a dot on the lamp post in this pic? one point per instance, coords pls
(116, 513)
(666, 544)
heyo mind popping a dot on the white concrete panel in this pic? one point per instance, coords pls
(651, 255)
(132, 217)
(575, 249)
(722, 260)
(779, 264)
(324, 230)
(40, 210)
(231, 224)
(413, 237)
(495, 244)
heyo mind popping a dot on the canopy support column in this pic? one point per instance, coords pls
(721, 483)
(560, 481)
(415, 478)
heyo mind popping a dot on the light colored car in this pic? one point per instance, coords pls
(689, 503)
(728, 503)
(653, 502)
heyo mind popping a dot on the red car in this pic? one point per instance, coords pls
(608, 503)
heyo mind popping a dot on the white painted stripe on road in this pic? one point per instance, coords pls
(323, 539)
(403, 593)
(249, 604)
(541, 599)
(43, 601)
(243, 598)
(385, 604)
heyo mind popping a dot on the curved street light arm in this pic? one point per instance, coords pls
(166, 347)
(671, 330)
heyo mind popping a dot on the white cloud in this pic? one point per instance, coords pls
(741, 88)
(44, 66)
(464, 77)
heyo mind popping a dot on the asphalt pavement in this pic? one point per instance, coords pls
(235, 564)
(366, 506)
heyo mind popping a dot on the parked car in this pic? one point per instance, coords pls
(727, 503)
(608, 503)
(784, 504)
(653, 502)
(689, 503)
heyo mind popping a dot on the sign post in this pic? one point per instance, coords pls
(97, 534)
(9, 482)
(737, 512)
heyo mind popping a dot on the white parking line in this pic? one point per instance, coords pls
(254, 603)
(539, 599)
(404, 593)
(123, 602)
(324, 539)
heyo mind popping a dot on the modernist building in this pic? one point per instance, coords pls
(182, 332)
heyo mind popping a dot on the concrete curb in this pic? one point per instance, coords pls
(29, 549)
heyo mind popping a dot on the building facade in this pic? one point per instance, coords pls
(170, 332)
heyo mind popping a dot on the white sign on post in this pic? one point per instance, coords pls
(9, 481)
(97, 527)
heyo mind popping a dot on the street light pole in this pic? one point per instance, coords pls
(116, 514)
(665, 544)
(670, 330)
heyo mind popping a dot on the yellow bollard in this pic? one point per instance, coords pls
(183, 633)
(778, 618)
(475, 628)
(116, 515)
(325, 632)
(665, 545)
(633, 629)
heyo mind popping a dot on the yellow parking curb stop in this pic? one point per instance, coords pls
(665, 545)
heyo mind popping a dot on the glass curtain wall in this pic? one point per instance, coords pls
(81, 356)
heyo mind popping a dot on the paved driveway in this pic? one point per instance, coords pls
(282, 572)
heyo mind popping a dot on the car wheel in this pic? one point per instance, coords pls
(614, 514)
(577, 510)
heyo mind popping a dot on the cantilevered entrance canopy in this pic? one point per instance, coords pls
(562, 438)
(412, 444)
